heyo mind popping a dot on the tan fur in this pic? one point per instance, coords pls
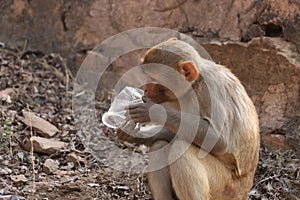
(160, 176)
(227, 172)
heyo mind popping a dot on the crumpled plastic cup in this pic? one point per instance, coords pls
(115, 116)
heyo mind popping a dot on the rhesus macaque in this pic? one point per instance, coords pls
(226, 116)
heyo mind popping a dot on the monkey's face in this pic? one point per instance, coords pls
(168, 83)
(158, 93)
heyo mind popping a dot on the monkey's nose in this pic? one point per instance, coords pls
(150, 90)
(146, 91)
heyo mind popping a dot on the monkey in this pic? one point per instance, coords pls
(226, 119)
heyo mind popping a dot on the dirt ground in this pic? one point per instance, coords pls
(43, 85)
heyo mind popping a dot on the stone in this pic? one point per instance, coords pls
(293, 134)
(5, 171)
(143, 149)
(44, 145)
(7, 94)
(73, 157)
(269, 69)
(45, 128)
(19, 178)
(274, 142)
(50, 166)
(9, 197)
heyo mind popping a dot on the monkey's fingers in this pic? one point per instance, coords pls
(142, 117)
(128, 132)
(138, 107)
(138, 115)
(129, 127)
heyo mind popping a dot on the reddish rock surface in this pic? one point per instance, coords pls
(72, 27)
(270, 72)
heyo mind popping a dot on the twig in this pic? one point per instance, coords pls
(10, 147)
(265, 179)
(67, 81)
(32, 157)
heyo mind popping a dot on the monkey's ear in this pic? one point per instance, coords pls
(188, 69)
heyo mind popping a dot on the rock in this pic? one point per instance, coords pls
(44, 145)
(23, 169)
(93, 185)
(9, 197)
(50, 166)
(293, 134)
(129, 145)
(20, 155)
(143, 149)
(73, 157)
(5, 171)
(14, 197)
(7, 94)
(269, 69)
(121, 187)
(76, 26)
(45, 128)
(274, 142)
(19, 178)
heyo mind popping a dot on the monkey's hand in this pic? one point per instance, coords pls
(128, 132)
(146, 112)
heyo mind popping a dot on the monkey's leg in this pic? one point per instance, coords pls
(188, 175)
(159, 180)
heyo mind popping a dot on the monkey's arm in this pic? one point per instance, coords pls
(206, 134)
(138, 138)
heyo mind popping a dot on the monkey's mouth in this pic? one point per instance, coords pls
(156, 100)
(160, 99)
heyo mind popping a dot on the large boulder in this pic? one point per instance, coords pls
(270, 71)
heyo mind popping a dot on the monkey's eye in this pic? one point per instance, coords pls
(161, 89)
